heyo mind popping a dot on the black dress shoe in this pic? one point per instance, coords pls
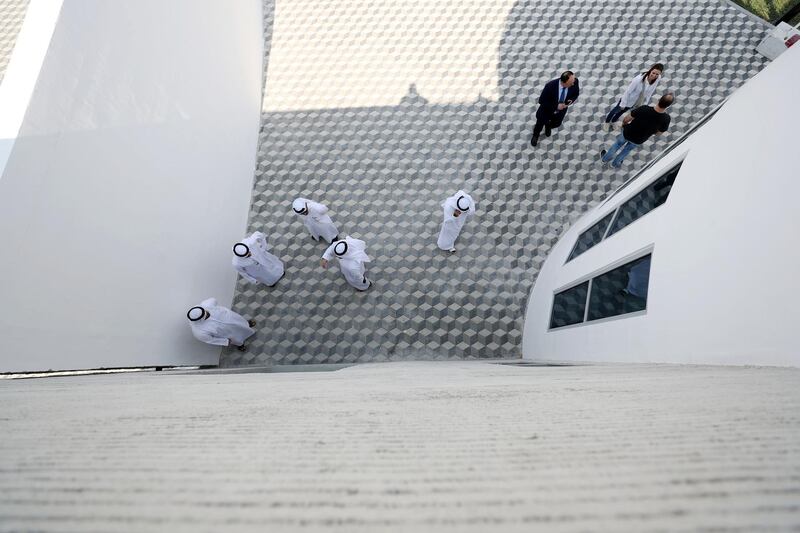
(534, 140)
(548, 130)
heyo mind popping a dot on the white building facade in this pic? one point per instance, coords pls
(694, 259)
(128, 179)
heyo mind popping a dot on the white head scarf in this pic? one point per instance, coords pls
(299, 204)
(458, 201)
(196, 313)
(356, 250)
(256, 252)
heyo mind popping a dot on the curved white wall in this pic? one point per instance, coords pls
(129, 181)
(724, 284)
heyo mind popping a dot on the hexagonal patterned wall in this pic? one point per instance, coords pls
(382, 109)
(12, 13)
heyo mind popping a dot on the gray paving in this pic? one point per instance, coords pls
(412, 446)
(383, 171)
(12, 13)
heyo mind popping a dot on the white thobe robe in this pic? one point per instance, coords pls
(261, 266)
(451, 225)
(318, 222)
(352, 263)
(222, 325)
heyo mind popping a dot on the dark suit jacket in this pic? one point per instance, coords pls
(548, 101)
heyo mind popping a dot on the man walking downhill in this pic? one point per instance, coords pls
(640, 125)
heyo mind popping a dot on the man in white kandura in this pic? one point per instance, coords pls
(316, 219)
(457, 210)
(351, 255)
(253, 261)
(214, 324)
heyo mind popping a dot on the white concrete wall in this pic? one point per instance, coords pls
(129, 182)
(23, 69)
(724, 280)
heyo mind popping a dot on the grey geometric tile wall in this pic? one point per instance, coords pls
(12, 13)
(384, 169)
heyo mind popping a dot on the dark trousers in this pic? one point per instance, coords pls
(616, 112)
(553, 121)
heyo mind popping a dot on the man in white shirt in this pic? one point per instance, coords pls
(352, 255)
(457, 210)
(214, 324)
(253, 261)
(316, 219)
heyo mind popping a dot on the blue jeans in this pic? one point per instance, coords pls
(621, 145)
(616, 112)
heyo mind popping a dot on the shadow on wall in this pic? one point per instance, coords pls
(383, 171)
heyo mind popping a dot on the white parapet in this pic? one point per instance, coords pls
(129, 180)
(723, 274)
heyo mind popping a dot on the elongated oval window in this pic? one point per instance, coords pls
(619, 291)
(569, 306)
(591, 236)
(639, 205)
(648, 199)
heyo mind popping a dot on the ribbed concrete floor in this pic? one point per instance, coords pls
(448, 446)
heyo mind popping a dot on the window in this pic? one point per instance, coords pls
(591, 236)
(618, 291)
(642, 203)
(569, 306)
(645, 201)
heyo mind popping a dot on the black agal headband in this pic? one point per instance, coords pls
(336, 248)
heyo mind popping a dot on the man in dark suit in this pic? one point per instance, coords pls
(556, 97)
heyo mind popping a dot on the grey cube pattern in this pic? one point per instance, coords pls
(384, 170)
(12, 13)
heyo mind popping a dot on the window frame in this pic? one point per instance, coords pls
(613, 215)
(585, 303)
(616, 210)
(629, 313)
(629, 258)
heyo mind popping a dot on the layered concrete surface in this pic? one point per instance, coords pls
(381, 110)
(436, 446)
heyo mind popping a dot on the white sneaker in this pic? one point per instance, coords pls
(452, 250)
(606, 126)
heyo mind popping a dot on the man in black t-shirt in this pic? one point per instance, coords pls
(640, 125)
